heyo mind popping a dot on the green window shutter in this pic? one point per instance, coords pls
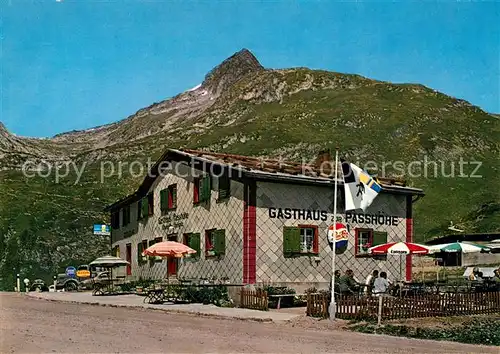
(139, 253)
(220, 242)
(194, 243)
(163, 200)
(379, 238)
(291, 240)
(145, 208)
(139, 210)
(174, 196)
(205, 189)
(151, 243)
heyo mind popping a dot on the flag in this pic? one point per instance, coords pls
(360, 189)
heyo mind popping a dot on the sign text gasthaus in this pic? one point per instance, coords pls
(371, 219)
(301, 214)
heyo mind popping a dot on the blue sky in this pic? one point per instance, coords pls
(77, 64)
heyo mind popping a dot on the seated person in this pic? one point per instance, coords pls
(347, 283)
(381, 285)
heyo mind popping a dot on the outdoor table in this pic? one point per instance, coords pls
(155, 296)
(104, 286)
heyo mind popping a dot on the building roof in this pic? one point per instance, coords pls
(477, 237)
(321, 172)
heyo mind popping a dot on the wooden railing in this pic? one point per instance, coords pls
(254, 299)
(432, 305)
(317, 305)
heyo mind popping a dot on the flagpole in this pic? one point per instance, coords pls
(333, 307)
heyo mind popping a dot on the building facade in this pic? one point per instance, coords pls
(255, 222)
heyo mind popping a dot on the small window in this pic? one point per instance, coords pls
(115, 220)
(366, 238)
(151, 205)
(201, 189)
(224, 187)
(300, 240)
(154, 259)
(172, 196)
(141, 247)
(215, 243)
(143, 208)
(139, 210)
(168, 198)
(363, 241)
(196, 190)
(126, 215)
(116, 251)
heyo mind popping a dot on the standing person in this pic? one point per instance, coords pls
(381, 285)
(370, 279)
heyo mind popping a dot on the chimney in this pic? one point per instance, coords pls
(323, 156)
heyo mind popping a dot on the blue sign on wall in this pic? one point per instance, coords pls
(71, 272)
(102, 230)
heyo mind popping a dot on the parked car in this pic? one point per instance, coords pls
(39, 285)
(67, 283)
(100, 278)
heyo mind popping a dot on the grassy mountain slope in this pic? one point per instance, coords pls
(243, 108)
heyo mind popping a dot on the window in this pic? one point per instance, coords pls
(366, 238)
(192, 240)
(126, 215)
(139, 210)
(115, 220)
(116, 251)
(224, 187)
(168, 198)
(153, 259)
(142, 209)
(215, 243)
(300, 240)
(141, 247)
(201, 189)
(151, 204)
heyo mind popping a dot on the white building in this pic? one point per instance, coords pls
(255, 221)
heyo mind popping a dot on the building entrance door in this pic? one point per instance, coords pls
(172, 262)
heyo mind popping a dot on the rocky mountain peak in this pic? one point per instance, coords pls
(231, 70)
(3, 128)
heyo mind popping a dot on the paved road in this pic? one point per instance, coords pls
(31, 325)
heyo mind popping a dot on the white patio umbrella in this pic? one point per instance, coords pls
(109, 262)
(458, 248)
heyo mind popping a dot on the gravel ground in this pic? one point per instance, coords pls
(31, 325)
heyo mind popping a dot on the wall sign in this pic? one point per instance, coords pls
(301, 214)
(372, 219)
(104, 230)
(70, 272)
(340, 236)
(172, 220)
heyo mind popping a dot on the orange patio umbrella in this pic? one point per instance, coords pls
(168, 249)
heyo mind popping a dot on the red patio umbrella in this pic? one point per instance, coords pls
(400, 248)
